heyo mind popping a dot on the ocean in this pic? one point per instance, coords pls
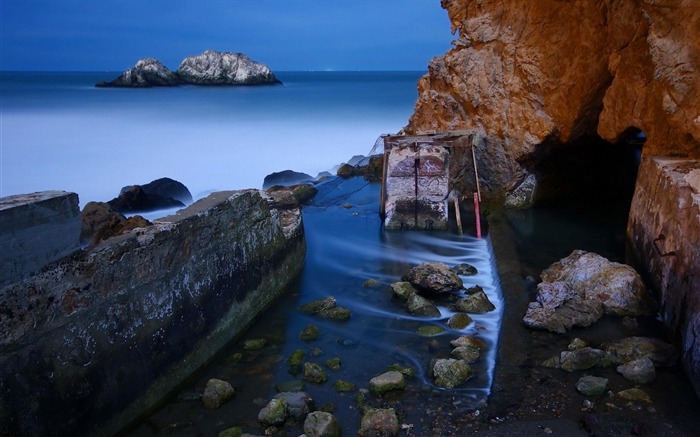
(59, 132)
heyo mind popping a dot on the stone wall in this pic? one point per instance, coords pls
(92, 341)
(37, 229)
(664, 234)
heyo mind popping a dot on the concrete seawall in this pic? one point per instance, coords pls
(95, 339)
(664, 234)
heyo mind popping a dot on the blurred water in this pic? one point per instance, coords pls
(57, 131)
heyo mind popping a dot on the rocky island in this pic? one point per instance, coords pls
(208, 68)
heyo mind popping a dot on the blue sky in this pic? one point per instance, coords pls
(112, 35)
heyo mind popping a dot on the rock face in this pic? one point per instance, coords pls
(146, 73)
(119, 326)
(533, 77)
(217, 68)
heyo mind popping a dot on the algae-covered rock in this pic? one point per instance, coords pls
(466, 353)
(477, 303)
(387, 381)
(406, 371)
(379, 421)
(633, 348)
(403, 289)
(342, 386)
(430, 330)
(321, 424)
(337, 313)
(584, 358)
(634, 395)
(313, 372)
(231, 432)
(459, 321)
(316, 306)
(420, 306)
(333, 363)
(217, 393)
(295, 361)
(450, 372)
(468, 341)
(299, 403)
(275, 412)
(309, 333)
(254, 344)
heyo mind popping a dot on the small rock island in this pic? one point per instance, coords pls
(208, 68)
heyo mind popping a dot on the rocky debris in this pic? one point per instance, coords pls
(313, 372)
(639, 371)
(388, 381)
(465, 269)
(100, 222)
(420, 306)
(217, 393)
(275, 412)
(633, 348)
(477, 303)
(286, 178)
(434, 277)
(224, 68)
(403, 289)
(583, 358)
(326, 308)
(618, 287)
(147, 72)
(299, 403)
(449, 372)
(459, 321)
(379, 422)
(591, 385)
(559, 307)
(369, 168)
(321, 424)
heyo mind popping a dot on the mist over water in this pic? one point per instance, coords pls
(60, 132)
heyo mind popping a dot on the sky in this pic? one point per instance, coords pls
(108, 35)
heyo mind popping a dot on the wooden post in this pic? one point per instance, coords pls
(476, 173)
(458, 215)
(476, 214)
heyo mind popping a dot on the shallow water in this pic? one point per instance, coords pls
(347, 247)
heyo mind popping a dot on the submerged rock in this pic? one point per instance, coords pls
(295, 361)
(477, 303)
(634, 348)
(217, 393)
(403, 289)
(321, 424)
(224, 68)
(147, 72)
(299, 403)
(584, 358)
(420, 306)
(434, 277)
(465, 269)
(634, 395)
(379, 421)
(459, 321)
(275, 412)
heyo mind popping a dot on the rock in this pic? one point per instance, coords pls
(468, 341)
(316, 306)
(314, 373)
(231, 432)
(217, 68)
(333, 363)
(618, 287)
(434, 277)
(369, 168)
(309, 333)
(293, 385)
(405, 371)
(379, 421)
(639, 371)
(275, 412)
(134, 199)
(147, 72)
(342, 386)
(450, 372)
(295, 361)
(304, 193)
(338, 313)
(429, 330)
(100, 222)
(459, 321)
(559, 307)
(466, 353)
(584, 358)
(477, 303)
(299, 403)
(286, 178)
(633, 348)
(169, 188)
(465, 269)
(403, 289)
(254, 344)
(577, 343)
(217, 393)
(321, 424)
(634, 395)
(420, 306)
(591, 385)
(387, 381)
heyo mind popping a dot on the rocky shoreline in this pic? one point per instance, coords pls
(209, 68)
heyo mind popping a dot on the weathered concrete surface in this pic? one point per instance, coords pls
(92, 341)
(36, 229)
(663, 232)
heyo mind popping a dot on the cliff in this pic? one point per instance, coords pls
(534, 77)
(94, 339)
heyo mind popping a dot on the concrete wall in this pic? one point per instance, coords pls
(664, 235)
(36, 229)
(91, 343)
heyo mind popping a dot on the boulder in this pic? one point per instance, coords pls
(560, 307)
(388, 381)
(286, 178)
(169, 188)
(299, 403)
(217, 393)
(309, 333)
(639, 371)
(224, 68)
(275, 412)
(434, 277)
(618, 287)
(634, 348)
(449, 372)
(321, 424)
(295, 361)
(100, 222)
(379, 421)
(369, 168)
(134, 199)
(147, 72)
(591, 385)
(477, 303)
(420, 306)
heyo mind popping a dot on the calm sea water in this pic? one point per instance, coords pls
(60, 132)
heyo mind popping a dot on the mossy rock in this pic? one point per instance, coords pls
(309, 333)
(430, 330)
(295, 361)
(313, 372)
(459, 321)
(333, 363)
(254, 344)
(337, 313)
(344, 386)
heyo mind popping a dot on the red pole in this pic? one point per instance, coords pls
(476, 213)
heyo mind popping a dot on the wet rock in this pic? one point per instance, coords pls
(309, 333)
(467, 353)
(370, 283)
(552, 362)
(224, 68)
(231, 432)
(304, 193)
(577, 343)
(584, 358)
(634, 395)
(434, 277)
(316, 306)
(618, 287)
(293, 385)
(254, 344)
(477, 303)
(135, 199)
(342, 386)
(473, 290)
(406, 371)
(333, 363)
(468, 341)
(321, 424)
(147, 72)
(387, 381)
(299, 403)
(379, 421)
(560, 307)
(294, 361)
(338, 313)
(459, 321)
(633, 348)
(420, 306)
(450, 372)
(217, 393)
(639, 371)
(275, 412)
(465, 269)
(430, 330)
(314, 373)
(286, 178)
(403, 289)
(591, 385)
